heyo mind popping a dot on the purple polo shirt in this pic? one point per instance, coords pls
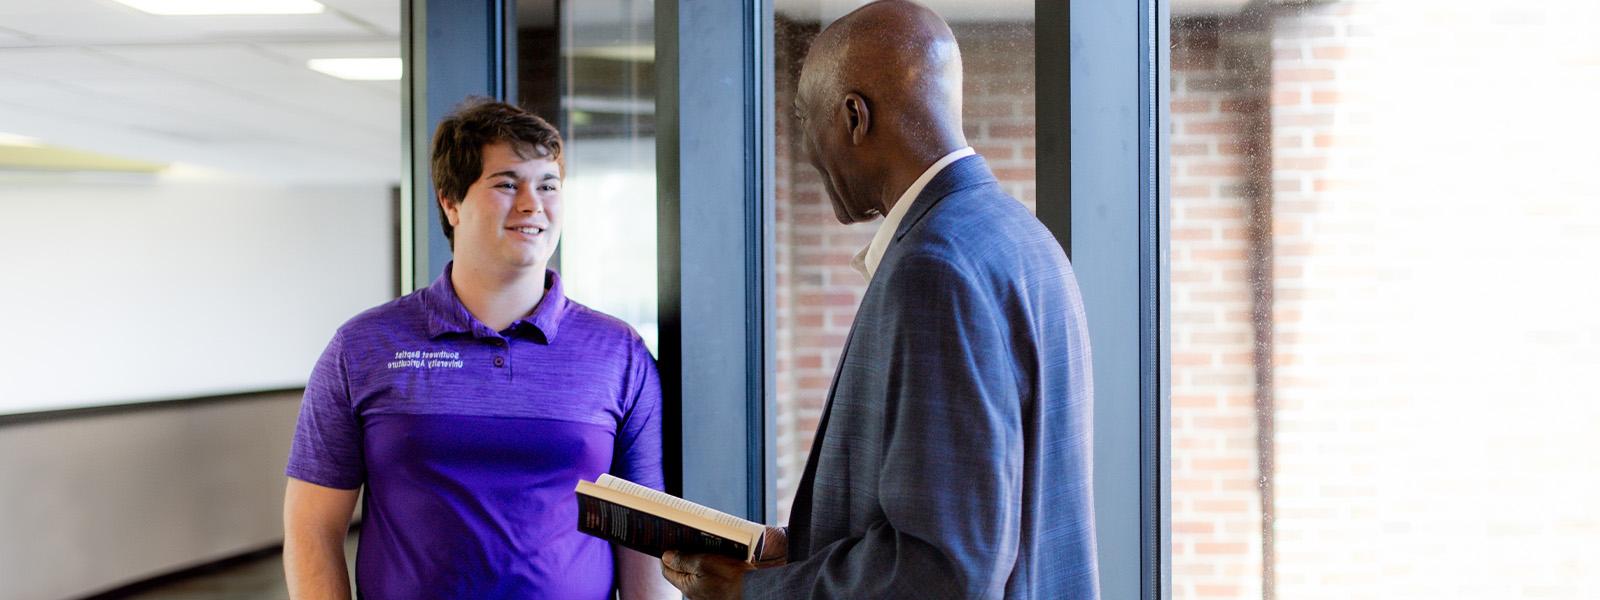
(470, 441)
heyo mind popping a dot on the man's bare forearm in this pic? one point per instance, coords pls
(314, 564)
(639, 577)
(315, 522)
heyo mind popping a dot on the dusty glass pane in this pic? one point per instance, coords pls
(817, 291)
(589, 66)
(1382, 230)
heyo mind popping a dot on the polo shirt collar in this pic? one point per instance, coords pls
(446, 314)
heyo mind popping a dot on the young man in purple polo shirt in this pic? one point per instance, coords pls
(470, 409)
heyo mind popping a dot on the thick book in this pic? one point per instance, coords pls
(652, 522)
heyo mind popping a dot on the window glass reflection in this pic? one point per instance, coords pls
(590, 66)
(1381, 229)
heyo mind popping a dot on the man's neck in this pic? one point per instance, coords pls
(498, 298)
(899, 175)
(895, 182)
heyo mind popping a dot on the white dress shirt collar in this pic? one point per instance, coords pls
(866, 261)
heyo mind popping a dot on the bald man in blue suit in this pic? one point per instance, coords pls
(953, 459)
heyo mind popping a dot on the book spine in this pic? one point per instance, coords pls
(649, 533)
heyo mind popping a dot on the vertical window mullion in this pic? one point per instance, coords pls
(712, 251)
(1103, 192)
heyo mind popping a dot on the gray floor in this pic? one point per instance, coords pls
(256, 580)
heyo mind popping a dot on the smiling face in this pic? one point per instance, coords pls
(510, 218)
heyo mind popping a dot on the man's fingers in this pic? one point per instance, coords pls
(680, 570)
(774, 546)
(687, 563)
(677, 578)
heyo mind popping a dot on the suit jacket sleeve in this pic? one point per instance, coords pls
(950, 487)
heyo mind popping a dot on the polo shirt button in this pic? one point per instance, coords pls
(499, 361)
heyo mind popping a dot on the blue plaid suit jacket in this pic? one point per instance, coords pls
(953, 459)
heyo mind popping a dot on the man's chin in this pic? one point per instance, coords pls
(843, 214)
(528, 261)
(846, 218)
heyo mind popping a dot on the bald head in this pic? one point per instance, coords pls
(880, 98)
(901, 57)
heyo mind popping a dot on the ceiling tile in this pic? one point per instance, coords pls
(231, 93)
(384, 14)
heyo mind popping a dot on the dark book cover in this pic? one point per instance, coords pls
(649, 533)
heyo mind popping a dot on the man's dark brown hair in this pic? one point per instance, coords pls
(458, 145)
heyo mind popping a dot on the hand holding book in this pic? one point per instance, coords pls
(654, 522)
(704, 553)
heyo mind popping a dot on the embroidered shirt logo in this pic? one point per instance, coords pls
(424, 359)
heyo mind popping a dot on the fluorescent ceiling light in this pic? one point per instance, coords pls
(226, 7)
(12, 139)
(359, 69)
(54, 159)
(634, 53)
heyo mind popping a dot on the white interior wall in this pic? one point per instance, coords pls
(120, 291)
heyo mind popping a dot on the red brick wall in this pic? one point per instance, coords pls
(817, 290)
(1377, 220)
(1327, 537)
(1219, 82)
(1218, 161)
(1221, 161)
(1308, 262)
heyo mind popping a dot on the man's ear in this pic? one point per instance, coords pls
(452, 210)
(858, 118)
